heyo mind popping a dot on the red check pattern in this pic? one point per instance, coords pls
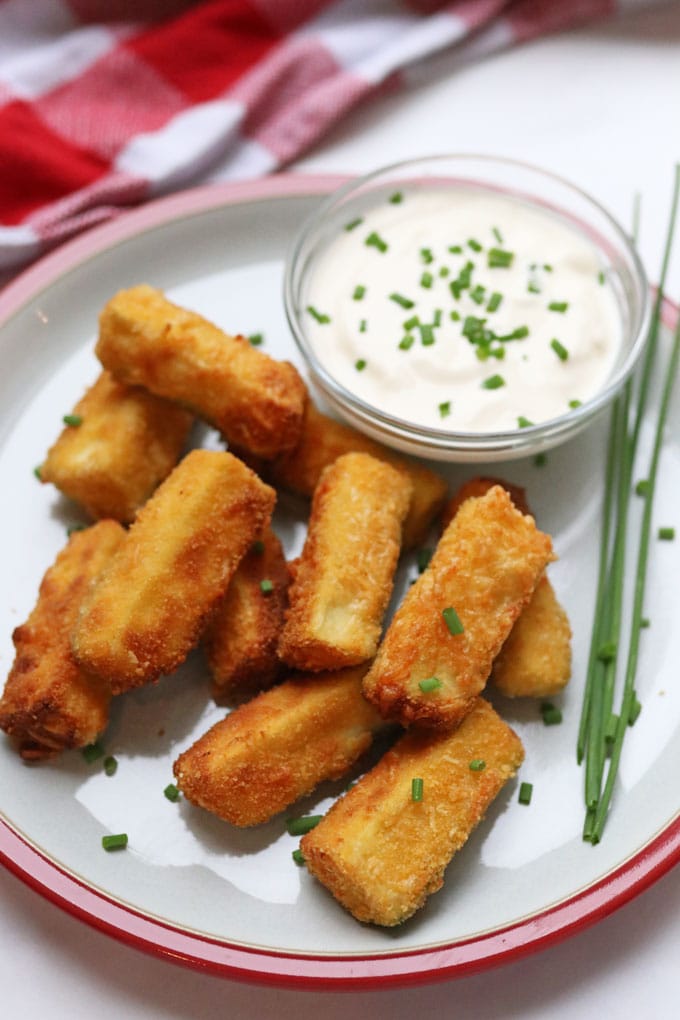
(105, 104)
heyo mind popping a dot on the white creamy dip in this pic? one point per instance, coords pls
(463, 310)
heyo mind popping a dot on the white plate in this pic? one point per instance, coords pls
(192, 887)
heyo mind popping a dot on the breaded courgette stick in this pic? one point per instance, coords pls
(278, 747)
(49, 704)
(178, 557)
(242, 636)
(535, 660)
(343, 580)
(324, 440)
(121, 443)
(439, 648)
(256, 402)
(380, 852)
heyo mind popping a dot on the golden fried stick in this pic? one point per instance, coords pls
(49, 704)
(278, 747)
(343, 580)
(380, 852)
(324, 440)
(481, 576)
(122, 444)
(256, 402)
(535, 660)
(149, 608)
(241, 639)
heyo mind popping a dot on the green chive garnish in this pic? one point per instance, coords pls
(477, 765)
(74, 420)
(552, 716)
(401, 300)
(477, 294)
(645, 622)
(455, 316)
(375, 241)
(524, 423)
(36, 472)
(431, 683)
(533, 287)
(92, 752)
(426, 280)
(494, 301)
(416, 789)
(72, 528)
(497, 234)
(499, 259)
(423, 557)
(426, 255)
(559, 349)
(525, 792)
(445, 409)
(359, 292)
(456, 249)
(110, 765)
(452, 620)
(437, 318)
(116, 842)
(362, 326)
(411, 323)
(475, 245)
(573, 404)
(319, 316)
(298, 856)
(666, 534)
(540, 460)
(397, 197)
(354, 223)
(171, 792)
(642, 487)
(444, 271)
(299, 826)
(360, 364)
(494, 382)
(558, 306)
(256, 339)
(601, 278)
(406, 343)
(426, 335)
(266, 586)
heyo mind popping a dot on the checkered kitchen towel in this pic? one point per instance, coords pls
(105, 103)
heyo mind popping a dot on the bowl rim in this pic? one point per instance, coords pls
(432, 440)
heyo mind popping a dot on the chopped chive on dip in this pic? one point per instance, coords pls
(110, 765)
(452, 620)
(431, 683)
(266, 586)
(397, 197)
(497, 258)
(477, 294)
(533, 287)
(477, 765)
(525, 792)
(92, 752)
(426, 335)
(362, 326)
(426, 280)
(494, 382)
(401, 300)
(573, 404)
(256, 339)
(74, 420)
(558, 306)
(474, 244)
(540, 460)
(171, 792)
(426, 255)
(524, 423)
(552, 716)
(445, 409)
(497, 234)
(354, 223)
(666, 534)
(423, 557)
(456, 249)
(359, 292)
(375, 241)
(406, 342)
(416, 789)
(559, 349)
(360, 364)
(444, 271)
(494, 302)
(119, 841)
(411, 323)
(299, 826)
(319, 316)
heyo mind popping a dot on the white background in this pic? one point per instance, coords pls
(600, 106)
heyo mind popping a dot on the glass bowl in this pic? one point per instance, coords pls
(531, 186)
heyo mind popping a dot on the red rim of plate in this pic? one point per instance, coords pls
(289, 969)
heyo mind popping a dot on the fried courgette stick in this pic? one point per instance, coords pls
(278, 747)
(535, 660)
(242, 636)
(120, 444)
(49, 704)
(343, 580)
(381, 852)
(178, 557)
(439, 648)
(323, 440)
(256, 402)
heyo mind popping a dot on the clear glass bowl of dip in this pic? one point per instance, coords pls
(529, 188)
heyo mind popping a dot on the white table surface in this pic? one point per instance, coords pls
(599, 105)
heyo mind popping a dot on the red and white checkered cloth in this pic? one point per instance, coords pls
(105, 103)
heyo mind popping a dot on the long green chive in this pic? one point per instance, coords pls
(499, 259)
(320, 317)
(494, 301)
(171, 793)
(110, 765)
(558, 306)
(423, 557)
(74, 420)
(375, 241)
(401, 300)
(445, 409)
(525, 792)
(298, 856)
(452, 620)
(360, 364)
(477, 765)
(559, 349)
(426, 280)
(666, 534)
(359, 292)
(299, 826)
(397, 197)
(406, 343)
(115, 842)
(417, 789)
(256, 339)
(431, 683)
(494, 382)
(552, 716)
(266, 586)
(92, 752)
(354, 223)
